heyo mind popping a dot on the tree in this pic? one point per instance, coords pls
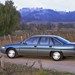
(9, 17)
(1, 18)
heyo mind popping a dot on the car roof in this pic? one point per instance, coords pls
(45, 36)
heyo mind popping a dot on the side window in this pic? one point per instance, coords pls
(44, 41)
(32, 41)
(56, 42)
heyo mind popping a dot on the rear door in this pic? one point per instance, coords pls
(47, 44)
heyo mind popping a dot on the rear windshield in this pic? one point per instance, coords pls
(63, 40)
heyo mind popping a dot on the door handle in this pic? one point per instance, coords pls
(50, 46)
(34, 46)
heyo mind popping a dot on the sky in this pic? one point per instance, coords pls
(58, 5)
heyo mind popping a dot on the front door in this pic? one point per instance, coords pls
(29, 47)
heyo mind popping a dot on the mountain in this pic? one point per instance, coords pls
(45, 15)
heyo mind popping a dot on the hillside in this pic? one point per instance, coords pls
(45, 15)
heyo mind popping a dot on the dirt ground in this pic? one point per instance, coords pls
(66, 65)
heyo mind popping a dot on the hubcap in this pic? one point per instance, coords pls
(56, 55)
(11, 53)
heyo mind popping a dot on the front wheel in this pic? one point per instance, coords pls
(11, 53)
(56, 56)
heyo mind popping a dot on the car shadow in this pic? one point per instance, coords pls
(43, 58)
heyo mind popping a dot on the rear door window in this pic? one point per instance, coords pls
(54, 42)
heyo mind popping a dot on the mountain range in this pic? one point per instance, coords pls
(45, 15)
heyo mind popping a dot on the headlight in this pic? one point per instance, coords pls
(3, 47)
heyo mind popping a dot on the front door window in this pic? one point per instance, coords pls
(32, 41)
(44, 41)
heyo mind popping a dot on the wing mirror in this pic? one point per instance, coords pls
(24, 43)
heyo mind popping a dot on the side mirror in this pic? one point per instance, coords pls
(24, 43)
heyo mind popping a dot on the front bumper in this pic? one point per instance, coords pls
(3, 50)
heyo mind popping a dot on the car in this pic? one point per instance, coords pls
(41, 45)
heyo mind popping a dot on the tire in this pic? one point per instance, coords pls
(57, 56)
(11, 53)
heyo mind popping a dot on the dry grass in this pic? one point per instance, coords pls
(13, 69)
(18, 37)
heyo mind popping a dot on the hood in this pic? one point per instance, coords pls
(13, 44)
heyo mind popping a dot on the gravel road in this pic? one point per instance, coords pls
(66, 65)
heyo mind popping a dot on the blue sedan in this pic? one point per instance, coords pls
(41, 45)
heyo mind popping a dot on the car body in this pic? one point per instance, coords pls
(41, 45)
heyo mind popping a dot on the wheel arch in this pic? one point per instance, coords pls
(55, 51)
(10, 48)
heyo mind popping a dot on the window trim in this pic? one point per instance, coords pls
(50, 39)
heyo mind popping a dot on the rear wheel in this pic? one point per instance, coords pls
(11, 53)
(56, 56)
